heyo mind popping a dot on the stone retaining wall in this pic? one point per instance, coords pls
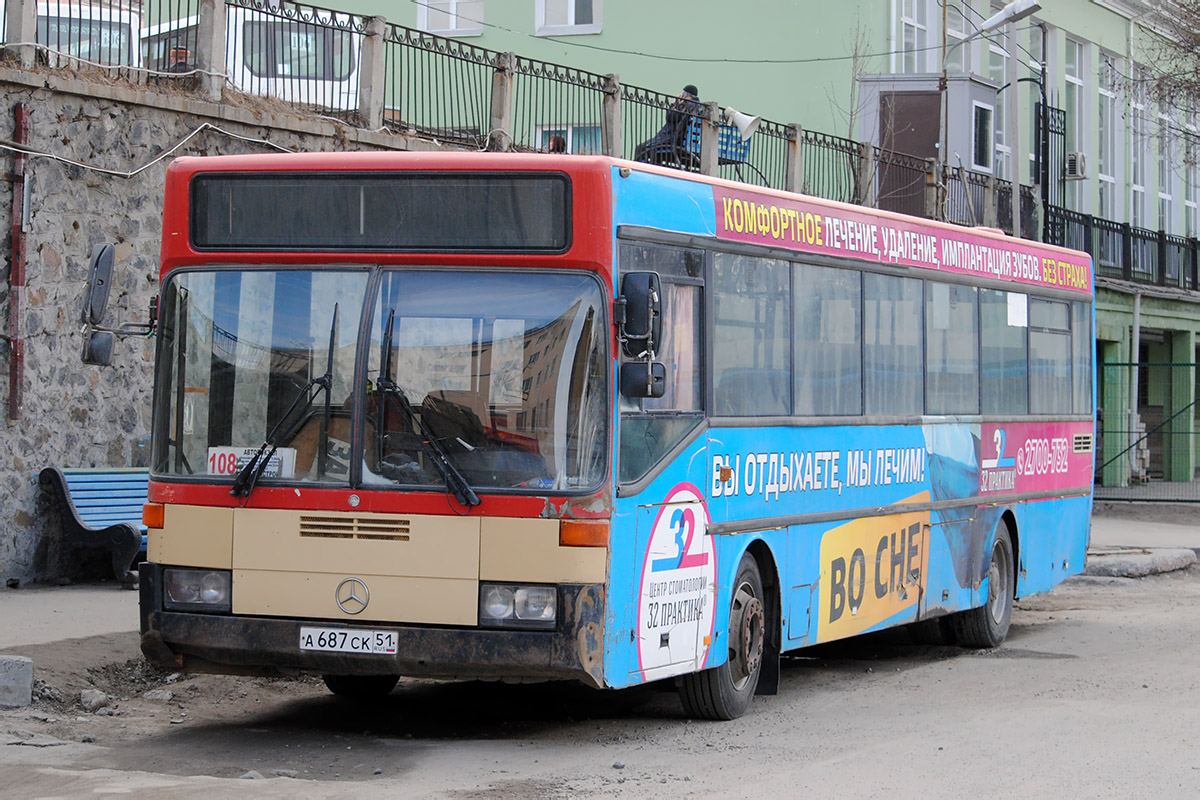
(72, 414)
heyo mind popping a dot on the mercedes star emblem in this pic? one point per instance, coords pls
(352, 596)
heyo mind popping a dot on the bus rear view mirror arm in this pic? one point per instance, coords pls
(641, 299)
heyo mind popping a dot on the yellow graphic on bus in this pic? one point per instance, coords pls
(871, 570)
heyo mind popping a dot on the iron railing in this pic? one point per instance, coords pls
(901, 182)
(831, 167)
(966, 197)
(436, 87)
(304, 55)
(555, 101)
(645, 133)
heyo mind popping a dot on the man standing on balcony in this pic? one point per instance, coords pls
(669, 145)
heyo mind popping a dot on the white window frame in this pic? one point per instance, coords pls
(1139, 156)
(1106, 110)
(568, 130)
(956, 36)
(1166, 172)
(1002, 152)
(917, 11)
(570, 29)
(459, 25)
(1073, 80)
(1191, 179)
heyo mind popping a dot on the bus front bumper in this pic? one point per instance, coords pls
(241, 645)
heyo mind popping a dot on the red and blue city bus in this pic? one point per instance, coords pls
(508, 416)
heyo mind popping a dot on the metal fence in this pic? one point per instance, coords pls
(1125, 252)
(765, 163)
(304, 55)
(556, 107)
(645, 134)
(831, 167)
(1149, 450)
(902, 183)
(436, 87)
(967, 197)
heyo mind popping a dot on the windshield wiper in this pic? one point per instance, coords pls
(247, 477)
(455, 482)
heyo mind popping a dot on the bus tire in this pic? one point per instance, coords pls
(987, 626)
(725, 692)
(361, 687)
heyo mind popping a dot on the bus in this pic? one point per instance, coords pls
(271, 55)
(532, 417)
(100, 35)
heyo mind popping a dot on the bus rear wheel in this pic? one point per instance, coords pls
(725, 692)
(361, 687)
(987, 626)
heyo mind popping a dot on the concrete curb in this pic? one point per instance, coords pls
(16, 681)
(1137, 562)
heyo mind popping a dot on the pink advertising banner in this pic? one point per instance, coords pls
(810, 227)
(1035, 456)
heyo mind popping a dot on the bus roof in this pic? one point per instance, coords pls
(592, 208)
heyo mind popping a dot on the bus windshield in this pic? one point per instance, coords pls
(504, 372)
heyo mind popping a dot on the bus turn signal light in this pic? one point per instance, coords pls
(152, 515)
(583, 533)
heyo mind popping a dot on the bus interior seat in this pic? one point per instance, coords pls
(447, 420)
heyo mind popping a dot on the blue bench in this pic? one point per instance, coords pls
(101, 508)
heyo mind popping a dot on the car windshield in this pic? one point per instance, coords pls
(503, 374)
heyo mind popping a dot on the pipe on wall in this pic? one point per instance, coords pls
(16, 281)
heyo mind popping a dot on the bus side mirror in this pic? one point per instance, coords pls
(98, 348)
(95, 295)
(643, 379)
(641, 298)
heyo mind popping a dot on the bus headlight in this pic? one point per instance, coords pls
(196, 589)
(513, 606)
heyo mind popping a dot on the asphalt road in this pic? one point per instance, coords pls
(1093, 695)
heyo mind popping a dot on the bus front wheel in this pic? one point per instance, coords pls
(987, 626)
(725, 692)
(361, 687)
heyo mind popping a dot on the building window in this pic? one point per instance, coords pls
(579, 139)
(1139, 155)
(997, 67)
(983, 138)
(1106, 130)
(914, 36)
(1166, 171)
(567, 17)
(958, 51)
(451, 17)
(1073, 70)
(1191, 176)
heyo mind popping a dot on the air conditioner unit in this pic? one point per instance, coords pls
(1075, 166)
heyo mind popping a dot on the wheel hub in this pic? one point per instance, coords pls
(751, 628)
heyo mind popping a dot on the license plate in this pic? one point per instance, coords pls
(348, 640)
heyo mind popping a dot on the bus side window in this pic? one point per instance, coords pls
(1050, 390)
(828, 349)
(893, 326)
(752, 349)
